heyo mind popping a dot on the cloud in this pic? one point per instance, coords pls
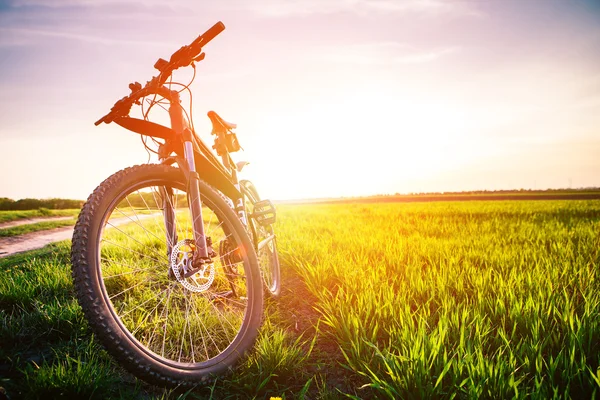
(283, 8)
(435, 7)
(76, 3)
(276, 8)
(386, 53)
(27, 36)
(424, 57)
(50, 4)
(27, 22)
(61, 9)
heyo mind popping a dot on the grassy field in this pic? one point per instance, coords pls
(487, 299)
(421, 300)
(520, 195)
(7, 216)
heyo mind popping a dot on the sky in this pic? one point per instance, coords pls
(332, 97)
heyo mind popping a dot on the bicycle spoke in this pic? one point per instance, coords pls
(137, 221)
(135, 240)
(165, 326)
(209, 335)
(187, 228)
(123, 265)
(174, 209)
(154, 309)
(133, 251)
(221, 319)
(140, 305)
(191, 340)
(202, 335)
(185, 325)
(128, 289)
(161, 314)
(164, 229)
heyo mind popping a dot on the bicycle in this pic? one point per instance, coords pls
(165, 257)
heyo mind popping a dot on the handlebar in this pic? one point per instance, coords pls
(207, 36)
(183, 57)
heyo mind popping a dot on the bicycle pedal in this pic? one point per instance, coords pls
(264, 212)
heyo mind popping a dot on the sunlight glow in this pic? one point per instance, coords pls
(376, 97)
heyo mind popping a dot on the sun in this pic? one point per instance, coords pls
(351, 143)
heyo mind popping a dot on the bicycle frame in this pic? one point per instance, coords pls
(189, 148)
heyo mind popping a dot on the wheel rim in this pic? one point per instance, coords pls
(157, 309)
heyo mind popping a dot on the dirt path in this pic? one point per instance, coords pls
(27, 221)
(36, 240)
(33, 240)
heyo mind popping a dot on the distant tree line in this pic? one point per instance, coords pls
(500, 191)
(7, 204)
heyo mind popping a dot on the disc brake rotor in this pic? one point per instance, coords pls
(182, 257)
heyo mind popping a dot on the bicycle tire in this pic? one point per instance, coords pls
(268, 257)
(122, 278)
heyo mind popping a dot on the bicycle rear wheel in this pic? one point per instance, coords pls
(268, 257)
(163, 318)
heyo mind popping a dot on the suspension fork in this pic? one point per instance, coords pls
(194, 196)
(179, 125)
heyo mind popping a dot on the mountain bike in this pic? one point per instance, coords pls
(170, 260)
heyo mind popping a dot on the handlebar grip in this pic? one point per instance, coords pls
(209, 35)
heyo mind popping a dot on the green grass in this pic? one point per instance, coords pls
(48, 351)
(7, 216)
(486, 299)
(35, 227)
(437, 300)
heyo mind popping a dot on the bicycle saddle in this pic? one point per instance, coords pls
(218, 122)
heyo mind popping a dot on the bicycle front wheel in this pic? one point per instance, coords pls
(166, 319)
